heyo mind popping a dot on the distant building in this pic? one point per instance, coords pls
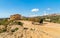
(15, 17)
(48, 19)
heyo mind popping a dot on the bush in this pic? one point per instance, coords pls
(3, 22)
(19, 23)
(16, 23)
(3, 30)
(41, 21)
(25, 28)
(13, 30)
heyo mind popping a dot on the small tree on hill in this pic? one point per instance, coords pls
(41, 21)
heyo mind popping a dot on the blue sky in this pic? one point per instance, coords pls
(28, 7)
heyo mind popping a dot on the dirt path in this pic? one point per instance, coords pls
(47, 30)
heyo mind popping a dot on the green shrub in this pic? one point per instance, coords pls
(19, 23)
(3, 30)
(16, 29)
(3, 22)
(25, 28)
(16, 23)
(41, 21)
(13, 30)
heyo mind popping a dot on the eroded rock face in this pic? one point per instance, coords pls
(13, 31)
(15, 17)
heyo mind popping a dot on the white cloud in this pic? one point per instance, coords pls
(35, 10)
(33, 15)
(48, 8)
(45, 13)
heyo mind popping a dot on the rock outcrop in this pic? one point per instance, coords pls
(15, 17)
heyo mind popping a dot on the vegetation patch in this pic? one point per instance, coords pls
(32, 29)
(20, 23)
(3, 22)
(13, 30)
(2, 30)
(25, 28)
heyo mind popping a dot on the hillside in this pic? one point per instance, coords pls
(25, 28)
(55, 18)
(29, 30)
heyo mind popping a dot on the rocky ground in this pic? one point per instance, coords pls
(13, 31)
(29, 30)
(46, 30)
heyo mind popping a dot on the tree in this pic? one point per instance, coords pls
(41, 21)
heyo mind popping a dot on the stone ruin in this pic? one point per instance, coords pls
(15, 17)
